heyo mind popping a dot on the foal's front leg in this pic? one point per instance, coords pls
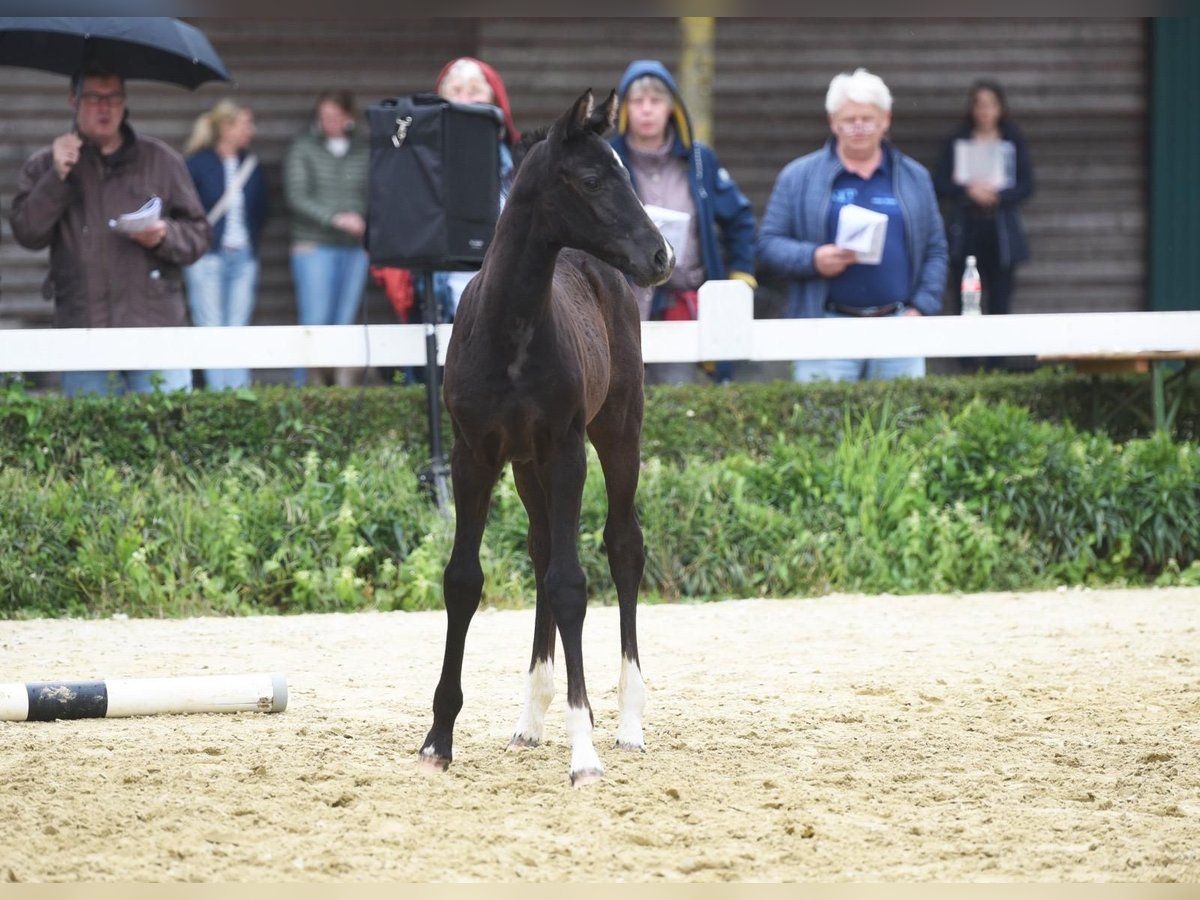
(462, 586)
(616, 435)
(540, 681)
(562, 476)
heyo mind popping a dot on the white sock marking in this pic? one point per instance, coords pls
(539, 691)
(579, 730)
(631, 697)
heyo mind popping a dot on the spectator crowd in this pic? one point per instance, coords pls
(140, 234)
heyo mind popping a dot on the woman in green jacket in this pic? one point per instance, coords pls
(325, 181)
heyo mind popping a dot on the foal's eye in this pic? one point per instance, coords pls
(591, 183)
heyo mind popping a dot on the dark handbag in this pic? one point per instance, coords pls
(434, 185)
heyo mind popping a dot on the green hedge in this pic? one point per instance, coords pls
(985, 496)
(278, 424)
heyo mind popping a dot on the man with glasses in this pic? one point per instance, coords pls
(69, 197)
(799, 237)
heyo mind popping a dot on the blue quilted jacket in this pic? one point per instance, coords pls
(797, 216)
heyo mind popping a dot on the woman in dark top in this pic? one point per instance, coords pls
(983, 219)
(222, 284)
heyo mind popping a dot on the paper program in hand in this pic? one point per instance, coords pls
(863, 231)
(138, 220)
(673, 225)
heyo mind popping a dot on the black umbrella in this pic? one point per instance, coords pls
(154, 48)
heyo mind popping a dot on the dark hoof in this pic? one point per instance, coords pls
(523, 743)
(584, 777)
(431, 763)
(631, 748)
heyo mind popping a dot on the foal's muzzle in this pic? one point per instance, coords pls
(660, 267)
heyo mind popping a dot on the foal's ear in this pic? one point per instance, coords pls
(604, 118)
(576, 119)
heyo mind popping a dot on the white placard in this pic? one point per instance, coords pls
(993, 163)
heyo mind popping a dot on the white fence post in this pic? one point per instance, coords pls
(726, 320)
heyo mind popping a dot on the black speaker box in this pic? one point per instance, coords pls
(434, 190)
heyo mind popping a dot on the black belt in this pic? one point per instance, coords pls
(865, 312)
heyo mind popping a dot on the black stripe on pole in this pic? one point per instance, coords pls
(50, 700)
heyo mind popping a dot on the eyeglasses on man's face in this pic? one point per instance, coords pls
(856, 126)
(93, 98)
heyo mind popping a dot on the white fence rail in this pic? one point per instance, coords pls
(726, 329)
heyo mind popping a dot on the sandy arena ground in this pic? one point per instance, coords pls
(1049, 736)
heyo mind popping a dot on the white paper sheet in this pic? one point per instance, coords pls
(138, 220)
(673, 225)
(863, 231)
(993, 163)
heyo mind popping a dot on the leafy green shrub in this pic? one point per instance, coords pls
(1096, 508)
(886, 496)
(241, 539)
(708, 535)
(280, 424)
(869, 500)
(1161, 482)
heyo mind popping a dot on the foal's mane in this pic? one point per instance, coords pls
(598, 123)
(525, 144)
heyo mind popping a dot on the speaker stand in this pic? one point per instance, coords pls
(435, 476)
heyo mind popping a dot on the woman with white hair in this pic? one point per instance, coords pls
(858, 167)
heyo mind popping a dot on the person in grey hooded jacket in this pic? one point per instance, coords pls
(672, 170)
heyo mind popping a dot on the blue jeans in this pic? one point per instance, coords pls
(857, 369)
(118, 383)
(329, 286)
(220, 287)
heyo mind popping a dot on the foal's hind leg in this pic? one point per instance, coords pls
(616, 435)
(540, 685)
(462, 585)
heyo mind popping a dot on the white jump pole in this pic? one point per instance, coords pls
(44, 701)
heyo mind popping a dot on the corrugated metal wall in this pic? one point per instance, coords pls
(1077, 86)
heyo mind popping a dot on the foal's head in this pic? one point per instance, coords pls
(584, 193)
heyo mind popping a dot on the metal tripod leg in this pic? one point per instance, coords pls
(438, 471)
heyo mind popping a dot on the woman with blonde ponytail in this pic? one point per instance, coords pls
(204, 131)
(222, 283)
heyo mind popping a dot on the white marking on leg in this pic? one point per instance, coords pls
(631, 697)
(585, 763)
(539, 691)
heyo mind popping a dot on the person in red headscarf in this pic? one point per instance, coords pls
(461, 80)
(470, 80)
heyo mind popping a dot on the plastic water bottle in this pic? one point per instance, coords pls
(972, 288)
